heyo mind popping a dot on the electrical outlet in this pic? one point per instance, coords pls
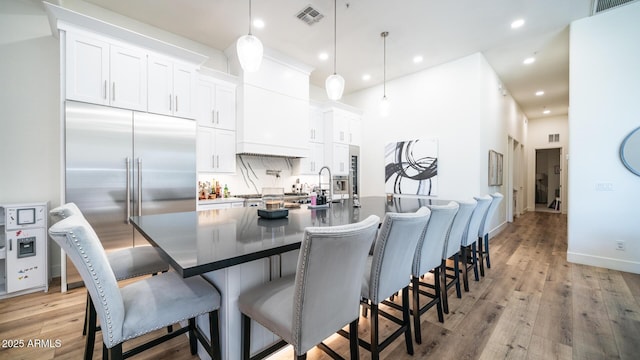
(620, 245)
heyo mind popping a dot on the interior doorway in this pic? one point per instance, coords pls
(547, 181)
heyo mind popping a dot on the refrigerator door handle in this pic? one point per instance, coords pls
(139, 187)
(128, 190)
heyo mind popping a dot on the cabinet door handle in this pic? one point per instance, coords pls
(105, 90)
(213, 161)
(218, 160)
(213, 116)
(177, 103)
(113, 91)
(218, 117)
(10, 244)
(170, 102)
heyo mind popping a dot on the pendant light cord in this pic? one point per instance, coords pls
(335, 30)
(384, 61)
(384, 35)
(249, 17)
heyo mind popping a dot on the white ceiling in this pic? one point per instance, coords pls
(440, 31)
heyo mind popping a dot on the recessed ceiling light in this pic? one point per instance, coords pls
(529, 60)
(323, 56)
(366, 77)
(258, 23)
(546, 111)
(418, 59)
(517, 23)
(539, 93)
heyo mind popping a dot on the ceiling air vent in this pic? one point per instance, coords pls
(309, 15)
(604, 5)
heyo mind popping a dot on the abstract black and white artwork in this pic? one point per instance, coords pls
(411, 167)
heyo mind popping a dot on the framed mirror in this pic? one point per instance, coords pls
(630, 151)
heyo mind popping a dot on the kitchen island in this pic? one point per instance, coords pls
(236, 250)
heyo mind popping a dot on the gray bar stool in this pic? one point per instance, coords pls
(125, 263)
(386, 273)
(459, 229)
(322, 296)
(143, 306)
(428, 257)
(485, 228)
(468, 247)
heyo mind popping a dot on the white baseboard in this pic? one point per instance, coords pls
(604, 262)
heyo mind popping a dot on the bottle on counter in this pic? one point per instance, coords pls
(218, 190)
(314, 197)
(226, 191)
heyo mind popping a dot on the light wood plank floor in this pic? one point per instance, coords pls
(531, 304)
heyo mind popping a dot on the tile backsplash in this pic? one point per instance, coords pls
(254, 172)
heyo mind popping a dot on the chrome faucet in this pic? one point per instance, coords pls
(330, 183)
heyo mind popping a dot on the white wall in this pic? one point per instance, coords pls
(538, 138)
(605, 83)
(29, 125)
(459, 104)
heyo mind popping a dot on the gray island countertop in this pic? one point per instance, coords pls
(198, 242)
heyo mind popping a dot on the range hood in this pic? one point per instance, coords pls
(272, 106)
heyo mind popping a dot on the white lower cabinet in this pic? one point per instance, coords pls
(216, 150)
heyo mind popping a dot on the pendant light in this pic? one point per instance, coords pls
(249, 50)
(334, 83)
(384, 103)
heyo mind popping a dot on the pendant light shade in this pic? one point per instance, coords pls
(334, 83)
(334, 86)
(384, 107)
(385, 104)
(249, 50)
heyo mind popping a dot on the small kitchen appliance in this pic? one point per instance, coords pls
(23, 249)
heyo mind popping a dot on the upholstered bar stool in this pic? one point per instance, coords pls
(126, 264)
(322, 296)
(428, 257)
(459, 228)
(485, 228)
(468, 247)
(387, 272)
(141, 307)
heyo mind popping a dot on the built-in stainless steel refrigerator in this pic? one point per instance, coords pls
(121, 163)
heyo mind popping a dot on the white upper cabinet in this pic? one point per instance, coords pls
(216, 150)
(103, 73)
(216, 104)
(128, 78)
(342, 129)
(311, 165)
(171, 87)
(343, 126)
(316, 125)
